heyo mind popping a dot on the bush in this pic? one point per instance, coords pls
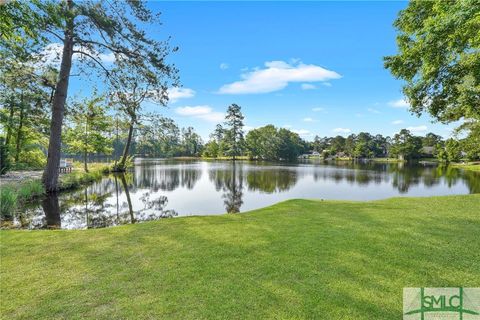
(30, 189)
(8, 202)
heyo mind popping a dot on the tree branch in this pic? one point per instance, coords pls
(55, 34)
(94, 59)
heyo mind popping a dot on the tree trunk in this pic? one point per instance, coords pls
(50, 175)
(10, 123)
(85, 145)
(19, 132)
(127, 146)
(85, 166)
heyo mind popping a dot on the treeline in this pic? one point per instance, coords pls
(403, 145)
(91, 129)
(271, 143)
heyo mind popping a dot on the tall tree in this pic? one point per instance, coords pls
(92, 30)
(439, 58)
(234, 133)
(405, 145)
(191, 142)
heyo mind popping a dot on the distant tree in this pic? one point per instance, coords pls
(159, 136)
(270, 143)
(211, 149)
(405, 145)
(191, 142)
(337, 145)
(349, 145)
(90, 129)
(439, 58)
(431, 139)
(290, 145)
(234, 133)
(262, 143)
(453, 150)
(380, 145)
(319, 144)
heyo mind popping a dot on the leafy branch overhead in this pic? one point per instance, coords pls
(439, 58)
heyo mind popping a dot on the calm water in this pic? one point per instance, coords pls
(157, 189)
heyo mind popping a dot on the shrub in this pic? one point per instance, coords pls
(8, 202)
(30, 189)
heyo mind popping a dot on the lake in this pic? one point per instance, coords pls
(156, 189)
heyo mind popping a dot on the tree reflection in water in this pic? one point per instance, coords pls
(52, 211)
(103, 204)
(271, 180)
(230, 182)
(402, 176)
(166, 176)
(144, 194)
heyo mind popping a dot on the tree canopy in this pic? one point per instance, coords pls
(439, 58)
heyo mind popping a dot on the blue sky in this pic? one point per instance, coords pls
(314, 67)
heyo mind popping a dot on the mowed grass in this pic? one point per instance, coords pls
(298, 259)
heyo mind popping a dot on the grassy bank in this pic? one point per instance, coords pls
(473, 166)
(387, 160)
(298, 259)
(14, 194)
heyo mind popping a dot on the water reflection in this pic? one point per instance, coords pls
(51, 209)
(230, 182)
(157, 189)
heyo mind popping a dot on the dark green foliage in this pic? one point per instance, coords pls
(270, 143)
(4, 159)
(233, 135)
(439, 58)
(405, 145)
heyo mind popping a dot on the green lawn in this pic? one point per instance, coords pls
(298, 259)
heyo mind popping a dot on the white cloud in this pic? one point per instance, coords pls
(397, 122)
(308, 86)
(52, 54)
(318, 109)
(417, 129)
(327, 84)
(303, 132)
(371, 110)
(400, 103)
(224, 66)
(175, 93)
(341, 130)
(308, 119)
(276, 76)
(203, 112)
